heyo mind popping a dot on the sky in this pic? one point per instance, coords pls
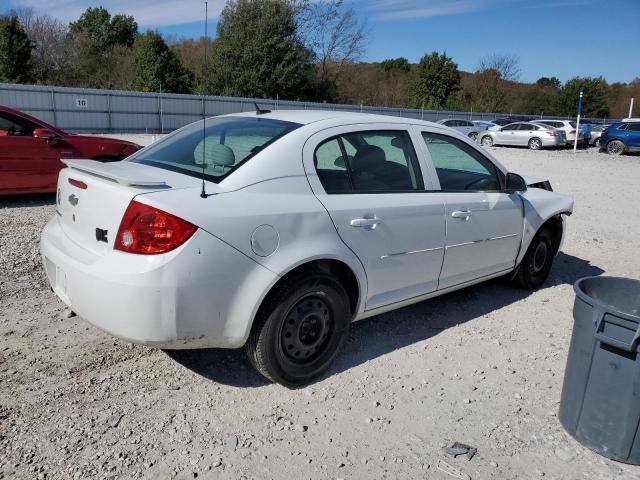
(562, 38)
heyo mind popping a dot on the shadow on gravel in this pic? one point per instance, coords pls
(229, 367)
(385, 333)
(31, 200)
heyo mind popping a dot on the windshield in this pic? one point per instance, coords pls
(225, 144)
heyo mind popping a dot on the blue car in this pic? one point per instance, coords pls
(621, 137)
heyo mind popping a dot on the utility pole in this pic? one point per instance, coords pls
(575, 143)
(630, 108)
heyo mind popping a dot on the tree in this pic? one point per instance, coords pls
(546, 82)
(594, 103)
(191, 55)
(505, 65)
(52, 47)
(438, 78)
(157, 67)
(103, 30)
(396, 66)
(258, 53)
(15, 51)
(333, 33)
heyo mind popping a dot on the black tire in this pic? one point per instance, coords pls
(536, 264)
(596, 143)
(473, 136)
(300, 329)
(535, 143)
(616, 147)
(486, 141)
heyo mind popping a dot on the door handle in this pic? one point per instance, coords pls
(462, 214)
(365, 222)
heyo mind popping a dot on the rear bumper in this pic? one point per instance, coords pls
(199, 295)
(553, 142)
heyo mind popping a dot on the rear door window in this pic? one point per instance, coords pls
(381, 161)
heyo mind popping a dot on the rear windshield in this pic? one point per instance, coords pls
(219, 149)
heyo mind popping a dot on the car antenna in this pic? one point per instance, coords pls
(203, 192)
(260, 111)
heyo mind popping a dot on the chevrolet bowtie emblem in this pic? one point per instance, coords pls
(73, 200)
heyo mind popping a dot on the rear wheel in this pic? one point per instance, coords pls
(535, 144)
(536, 264)
(615, 147)
(486, 141)
(473, 135)
(300, 329)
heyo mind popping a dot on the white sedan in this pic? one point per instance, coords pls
(275, 231)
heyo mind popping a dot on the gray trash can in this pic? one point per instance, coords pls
(600, 405)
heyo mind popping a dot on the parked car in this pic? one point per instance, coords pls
(524, 134)
(596, 133)
(486, 124)
(621, 137)
(569, 128)
(463, 126)
(274, 231)
(31, 150)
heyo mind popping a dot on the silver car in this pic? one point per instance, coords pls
(463, 126)
(524, 134)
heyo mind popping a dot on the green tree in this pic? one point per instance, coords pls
(396, 66)
(15, 51)
(594, 102)
(257, 52)
(103, 30)
(546, 82)
(157, 67)
(438, 77)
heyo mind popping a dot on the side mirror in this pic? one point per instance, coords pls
(515, 183)
(44, 133)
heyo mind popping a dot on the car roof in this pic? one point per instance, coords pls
(33, 119)
(339, 117)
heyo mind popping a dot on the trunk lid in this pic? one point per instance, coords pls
(92, 197)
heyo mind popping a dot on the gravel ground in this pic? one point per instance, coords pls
(482, 366)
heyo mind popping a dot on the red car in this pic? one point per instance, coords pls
(30, 152)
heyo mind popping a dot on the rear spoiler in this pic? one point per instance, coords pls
(124, 173)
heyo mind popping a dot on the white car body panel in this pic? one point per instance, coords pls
(264, 220)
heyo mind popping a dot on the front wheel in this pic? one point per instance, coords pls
(536, 264)
(300, 329)
(615, 147)
(535, 144)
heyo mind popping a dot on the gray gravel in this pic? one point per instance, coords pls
(482, 366)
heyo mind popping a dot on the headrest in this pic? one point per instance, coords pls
(215, 154)
(368, 157)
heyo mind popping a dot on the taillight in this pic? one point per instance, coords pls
(78, 183)
(572, 132)
(553, 134)
(147, 230)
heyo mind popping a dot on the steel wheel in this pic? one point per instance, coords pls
(300, 329)
(536, 264)
(615, 147)
(304, 334)
(535, 144)
(487, 141)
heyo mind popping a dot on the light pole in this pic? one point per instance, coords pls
(575, 143)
